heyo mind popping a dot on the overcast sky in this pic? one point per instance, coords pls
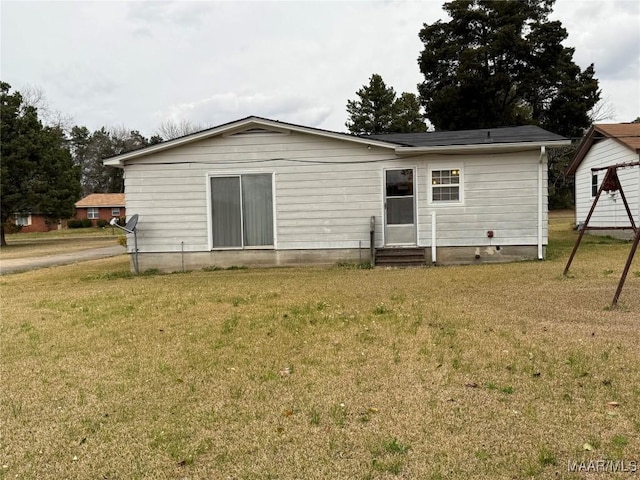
(135, 64)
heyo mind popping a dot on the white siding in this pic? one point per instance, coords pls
(500, 194)
(610, 211)
(325, 192)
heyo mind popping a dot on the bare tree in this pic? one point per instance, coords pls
(34, 96)
(604, 109)
(170, 129)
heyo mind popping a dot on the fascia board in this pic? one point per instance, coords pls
(482, 148)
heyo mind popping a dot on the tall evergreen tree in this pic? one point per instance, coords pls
(407, 117)
(498, 63)
(37, 172)
(377, 110)
(372, 113)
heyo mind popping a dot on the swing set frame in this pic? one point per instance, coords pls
(610, 183)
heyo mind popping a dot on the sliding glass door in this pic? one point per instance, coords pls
(242, 211)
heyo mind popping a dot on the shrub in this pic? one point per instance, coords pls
(102, 223)
(86, 223)
(11, 227)
(74, 223)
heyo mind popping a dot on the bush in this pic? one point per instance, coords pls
(86, 223)
(11, 227)
(74, 223)
(102, 223)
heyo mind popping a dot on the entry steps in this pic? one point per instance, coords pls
(401, 257)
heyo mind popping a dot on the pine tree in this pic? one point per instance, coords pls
(37, 172)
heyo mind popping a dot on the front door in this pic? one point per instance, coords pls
(399, 206)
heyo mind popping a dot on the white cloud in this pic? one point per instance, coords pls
(225, 107)
(137, 63)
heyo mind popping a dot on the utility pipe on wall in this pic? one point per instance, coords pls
(433, 237)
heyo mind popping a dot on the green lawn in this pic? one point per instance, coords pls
(490, 371)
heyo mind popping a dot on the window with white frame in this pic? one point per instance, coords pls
(446, 185)
(594, 184)
(92, 213)
(23, 219)
(115, 212)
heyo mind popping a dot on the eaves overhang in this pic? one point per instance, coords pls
(481, 148)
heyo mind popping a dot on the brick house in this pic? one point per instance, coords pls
(33, 222)
(101, 206)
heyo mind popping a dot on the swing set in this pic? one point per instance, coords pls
(611, 183)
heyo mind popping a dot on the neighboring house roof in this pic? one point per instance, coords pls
(522, 134)
(101, 200)
(483, 139)
(627, 134)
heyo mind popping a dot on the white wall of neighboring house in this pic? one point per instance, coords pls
(609, 211)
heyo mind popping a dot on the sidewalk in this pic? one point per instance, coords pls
(24, 264)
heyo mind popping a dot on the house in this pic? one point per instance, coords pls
(263, 192)
(605, 145)
(34, 222)
(101, 206)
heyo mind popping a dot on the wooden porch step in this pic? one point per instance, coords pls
(400, 257)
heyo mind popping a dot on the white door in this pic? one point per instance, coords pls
(399, 207)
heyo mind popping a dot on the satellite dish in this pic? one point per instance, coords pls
(132, 222)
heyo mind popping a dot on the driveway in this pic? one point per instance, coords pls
(23, 264)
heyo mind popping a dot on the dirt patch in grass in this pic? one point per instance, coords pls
(491, 371)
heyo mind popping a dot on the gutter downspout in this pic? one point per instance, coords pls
(541, 164)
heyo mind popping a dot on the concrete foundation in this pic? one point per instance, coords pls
(619, 234)
(176, 261)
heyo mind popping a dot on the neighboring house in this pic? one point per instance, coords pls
(258, 191)
(33, 222)
(101, 206)
(606, 145)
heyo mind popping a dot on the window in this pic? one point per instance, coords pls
(23, 219)
(92, 213)
(399, 197)
(242, 211)
(115, 212)
(445, 185)
(594, 184)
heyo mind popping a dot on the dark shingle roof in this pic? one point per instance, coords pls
(525, 133)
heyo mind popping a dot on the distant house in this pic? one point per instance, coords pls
(262, 192)
(101, 206)
(33, 222)
(606, 145)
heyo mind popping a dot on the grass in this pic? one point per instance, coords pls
(489, 371)
(24, 245)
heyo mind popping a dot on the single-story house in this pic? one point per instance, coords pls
(263, 192)
(605, 145)
(34, 222)
(101, 206)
